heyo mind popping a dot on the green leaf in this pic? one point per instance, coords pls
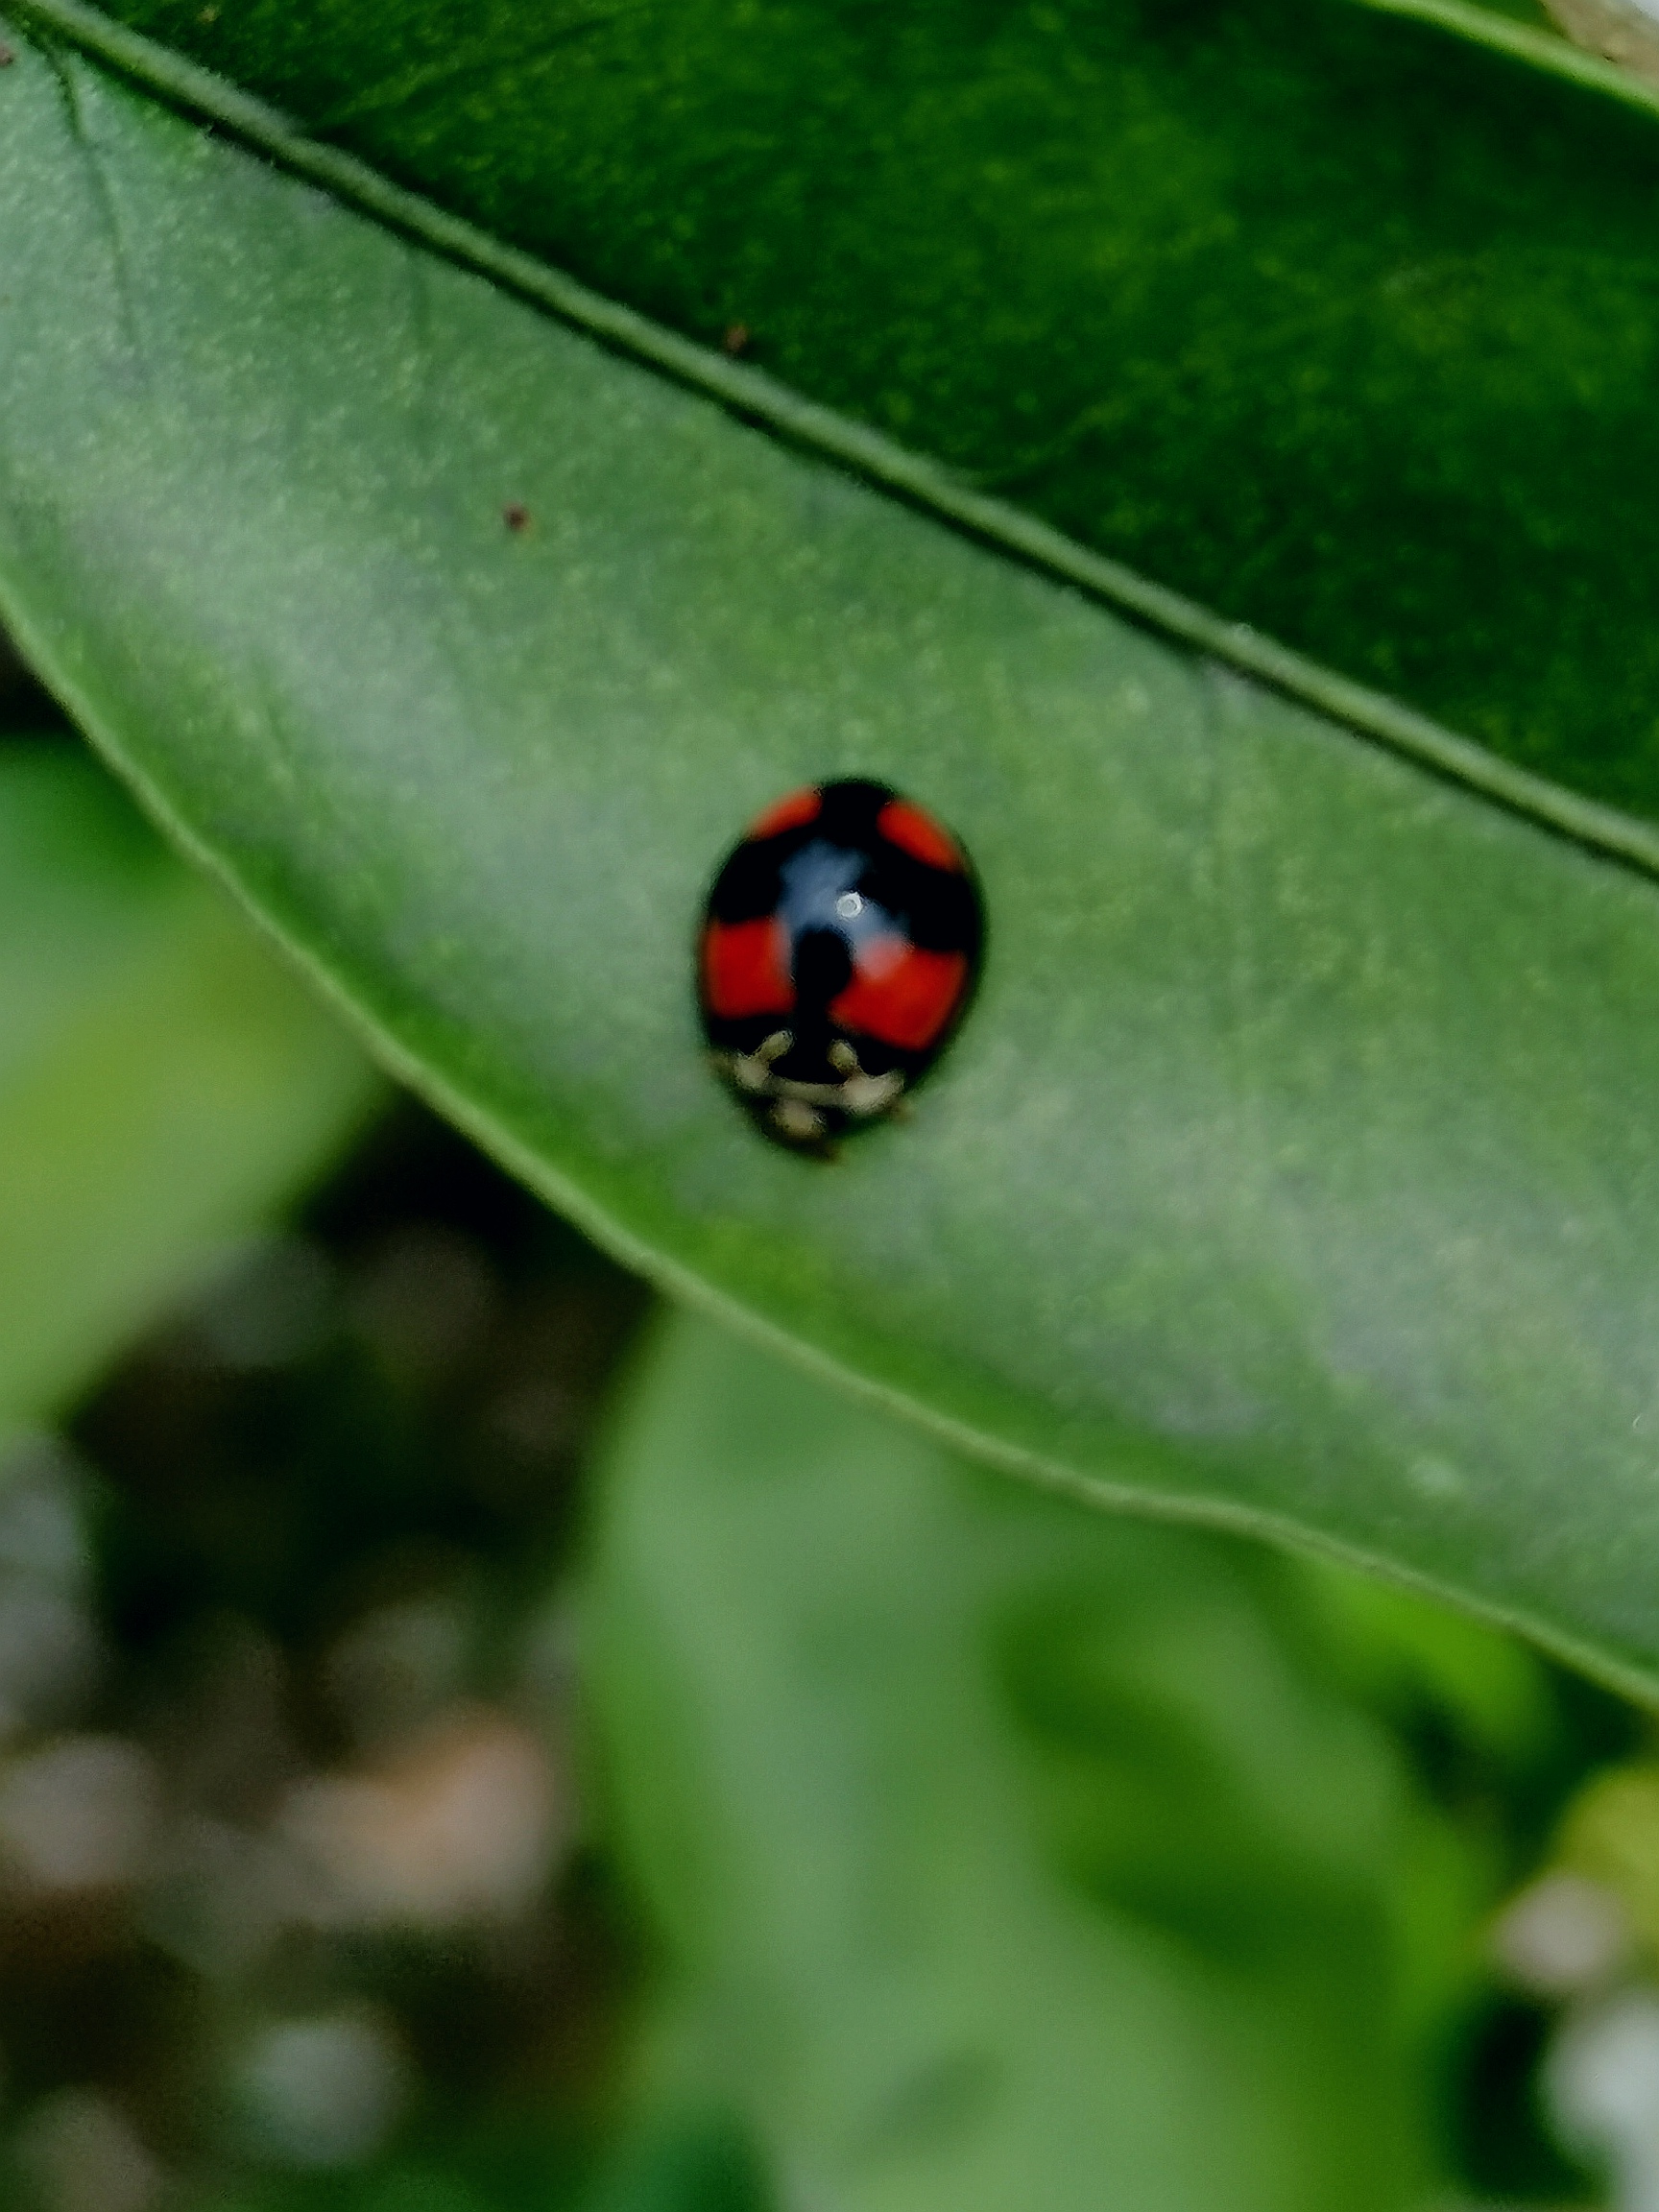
(163, 1084)
(680, 2161)
(1339, 324)
(1003, 1854)
(1295, 1170)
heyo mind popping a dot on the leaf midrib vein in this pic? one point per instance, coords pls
(879, 460)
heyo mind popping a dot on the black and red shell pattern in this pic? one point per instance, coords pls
(838, 954)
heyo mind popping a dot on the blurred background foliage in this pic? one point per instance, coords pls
(471, 1742)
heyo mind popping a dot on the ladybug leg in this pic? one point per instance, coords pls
(797, 1122)
(752, 1071)
(867, 1095)
(863, 1095)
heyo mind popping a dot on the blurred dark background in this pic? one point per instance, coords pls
(296, 1865)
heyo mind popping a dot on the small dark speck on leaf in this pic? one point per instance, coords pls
(736, 339)
(517, 519)
(7, 57)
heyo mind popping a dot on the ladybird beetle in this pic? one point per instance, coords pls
(838, 951)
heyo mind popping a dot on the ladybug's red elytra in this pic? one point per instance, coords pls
(838, 951)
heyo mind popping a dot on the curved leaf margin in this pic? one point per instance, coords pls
(864, 454)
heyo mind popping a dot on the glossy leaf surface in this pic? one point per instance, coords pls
(1295, 1166)
(163, 1083)
(1002, 1852)
(1334, 321)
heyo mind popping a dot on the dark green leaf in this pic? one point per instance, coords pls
(1295, 1168)
(694, 2161)
(1343, 325)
